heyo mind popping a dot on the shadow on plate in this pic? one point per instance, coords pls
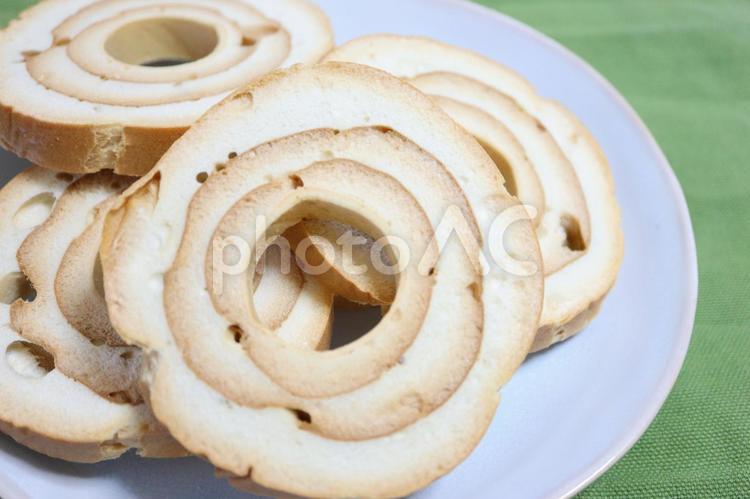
(134, 476)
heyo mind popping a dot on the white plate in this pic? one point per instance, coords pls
(571, 412)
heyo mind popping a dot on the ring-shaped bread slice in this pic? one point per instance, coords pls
(67, 328)
(394, 410)
(69, 316)
(95, 357)
(40, 406)
(582, 243)
(88, 85)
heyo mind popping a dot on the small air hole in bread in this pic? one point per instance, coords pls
(29, 360)
(34, 211)
(573, 236)
(302, 416)
(236, 333)
(16, 286)
(476, 291)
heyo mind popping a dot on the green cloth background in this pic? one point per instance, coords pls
(685, 66)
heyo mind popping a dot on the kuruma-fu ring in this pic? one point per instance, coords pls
(90, 85)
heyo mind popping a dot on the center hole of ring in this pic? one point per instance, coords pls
(352, 321)
(323, 248)
(162, 42)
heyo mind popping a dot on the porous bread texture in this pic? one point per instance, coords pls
(580, 209)
(66, 104)
(97, 358)
(40, 406)
(325, 140)
(78, 285)
(69, 318)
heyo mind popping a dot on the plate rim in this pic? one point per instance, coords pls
(689, 302)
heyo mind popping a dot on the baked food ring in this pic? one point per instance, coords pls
(67, 327)
(579, 220)
(382, 416)
(41, 407)
(68, 317)
(88, 85)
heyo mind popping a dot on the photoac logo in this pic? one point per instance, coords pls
(388, 255)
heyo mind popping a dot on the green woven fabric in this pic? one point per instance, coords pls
(685, 66)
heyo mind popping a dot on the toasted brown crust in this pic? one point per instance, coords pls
(76, 149)
(143, 147)
(85, 133)
(66, 147)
